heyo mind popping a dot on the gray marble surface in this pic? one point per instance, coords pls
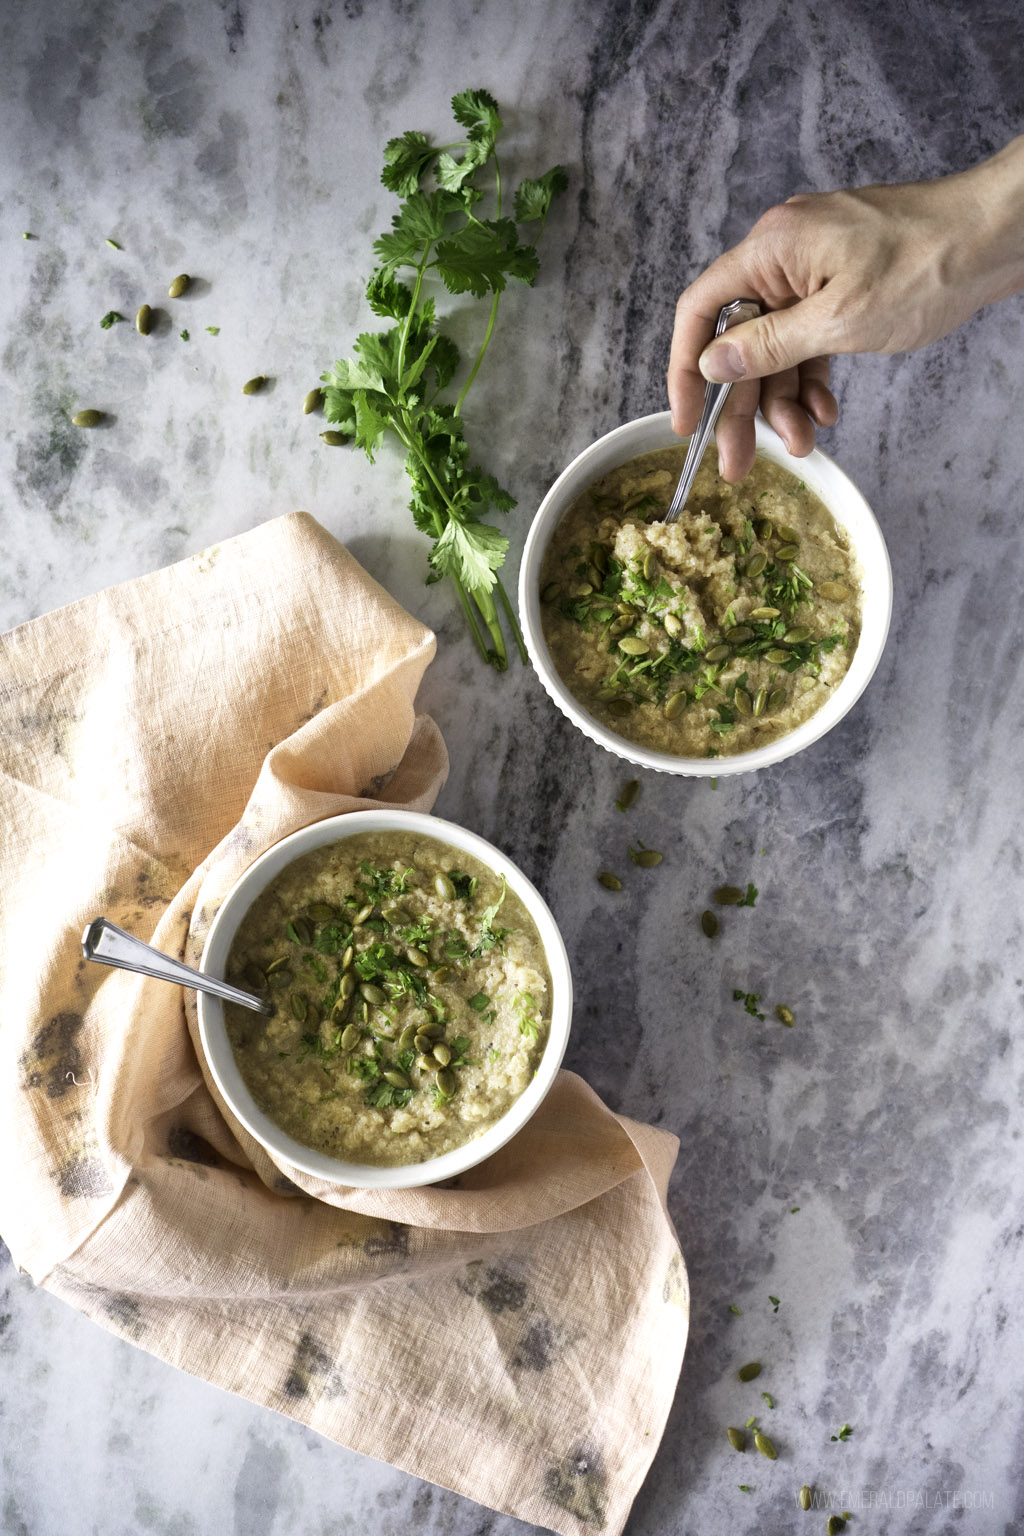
(241, 142)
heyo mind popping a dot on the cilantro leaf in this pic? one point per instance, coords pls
(533, 198)
(480, 257)
(405, 160)
(418, 224)
(387, 296)
(110, 318)
(470, 551)
(478, 111)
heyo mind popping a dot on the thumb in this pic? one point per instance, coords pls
(776, 341)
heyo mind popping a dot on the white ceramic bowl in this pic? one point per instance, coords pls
(824, 478)
(217, 1047)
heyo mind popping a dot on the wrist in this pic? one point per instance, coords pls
(996, 188)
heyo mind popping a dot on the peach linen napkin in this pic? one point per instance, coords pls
(517, 1337)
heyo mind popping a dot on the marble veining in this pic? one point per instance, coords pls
(865, 1167)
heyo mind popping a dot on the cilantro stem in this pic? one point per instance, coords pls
(513, 620)
(464, 391)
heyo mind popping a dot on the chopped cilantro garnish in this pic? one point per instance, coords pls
(844, 1433)
(750, 1001)
(110, 318)
(750, 899)
(479, 1002)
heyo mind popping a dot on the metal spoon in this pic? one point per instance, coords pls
(714, 398)
(107, 944)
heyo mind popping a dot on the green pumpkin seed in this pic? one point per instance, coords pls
(672, 625)
(446, 1082)
(777, 654)
(620, 708)
(647, 858)
(280, 978)
(599, 557)
(426, 1062)
(764, 530)
(425, 1046)
(297, 1003)
(806, 1497)
(432, 1031)
(632, 645)
(254, 385)
(836, 1523)
(350, 1037)
(442, 974)
(302, 931)
(833, 591)
(347, 986)
(788, 535)
(737, 1439)
(785, 1015)
(727, 544)
(395, 1078)
(739, 633)
(340, 1010)
(333, 439)
(806, 684)
(407, 1038)
(181, 284)
(777, 699)
(322, 912)
(313, 401)
(87, 418)
(743, 701)
(418, 957)
(760, 700)
(609, 881)
(749, 1372)
(550, 593)
(363, 914)
(709, 924)
(371, 993)
(255, 977)
(313, 1015)
(756, 564)
(444, 887)
(628, 795)
(718, 653)
(797, 635)
(763, 613)
(674, 705)
(620, 626)
(650, 565)
(348, 957)
(787, 552)
(761, 1440)
(442, 1054)
(594, 577)
(729, 895)
(144, 320)
(628, 611)
(583, 589)
(276, 965)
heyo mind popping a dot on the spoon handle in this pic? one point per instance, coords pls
(107, 944)
(714, 398)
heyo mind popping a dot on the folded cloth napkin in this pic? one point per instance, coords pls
(517, 1337)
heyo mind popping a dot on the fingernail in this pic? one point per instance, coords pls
(721, 363)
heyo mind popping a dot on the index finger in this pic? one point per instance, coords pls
(696, 317)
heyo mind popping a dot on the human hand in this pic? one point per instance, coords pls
(878, 269)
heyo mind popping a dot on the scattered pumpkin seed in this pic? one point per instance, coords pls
(373, 994)
(144, 320)
(609, 881)
(347, 986)
(280, 978)
(672, 625)
(787, 552)
(322, 912)
(777, 655)
(302, 931)
(628, 796)
(350, 1037)
(594, 577)
(836, 1523)
(425, 1046)
(737, 1439)
(628, 610)
(363, 914)
(444, 887)
(408, 1037)
(282, 961)
(550, 593)
(797, 635)
(718, 653)
(432, 1031)
(620, 708)
(788, 535)
(418, 957)
(650, 565)
(833, 591)
(297, 1003)
(620, 625)
(333, 439)
(395, 1078)
(255, 977)
(446, 1082)
(742, 701)
(785, 1015)
(313, 401)
(632, 645)
(87, 418)
(749, 1372)
(739, 633)
(727, 544)
(583, 589)
(181, 284)
(760, 700)
(647, 858)
(442, 974)
(426, 1062)
(777, 699)
(806, 1497)
(764, 529)
(340, 1010)
(807, 683)
(442, 1053)
(599, 557)
(729, 895)
(756, 564)
(710, 925)
(763, 613)
(254, 385)
(313, 1015)
(674, 704)
(761, 1440)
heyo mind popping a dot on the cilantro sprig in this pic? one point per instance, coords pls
(397, 377)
